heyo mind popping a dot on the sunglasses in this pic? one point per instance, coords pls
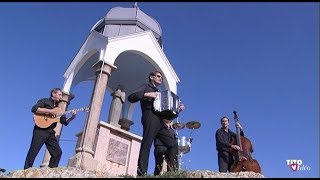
(159, 76)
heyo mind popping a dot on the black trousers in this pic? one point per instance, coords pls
(152, 128)
(160, 152)
(167, 150)
(225, 160)
(40, 137)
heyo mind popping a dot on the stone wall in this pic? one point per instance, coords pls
(70, 172)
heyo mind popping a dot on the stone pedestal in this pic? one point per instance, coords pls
(125, 124)
(164, 166)
(116, 151)
(83, 161)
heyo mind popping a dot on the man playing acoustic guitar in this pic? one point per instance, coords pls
(47, 108)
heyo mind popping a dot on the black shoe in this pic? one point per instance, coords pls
(140, 173)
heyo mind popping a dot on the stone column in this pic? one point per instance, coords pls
(119, 98)
(84, 155)
(65, 101)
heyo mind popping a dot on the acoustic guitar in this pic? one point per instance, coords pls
(45, 120)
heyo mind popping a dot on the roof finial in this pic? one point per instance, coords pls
(135, 4)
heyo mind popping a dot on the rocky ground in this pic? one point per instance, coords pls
(70, 172)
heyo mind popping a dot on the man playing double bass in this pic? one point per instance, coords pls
(224, 137)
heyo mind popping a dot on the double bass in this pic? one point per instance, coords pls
(243, 157)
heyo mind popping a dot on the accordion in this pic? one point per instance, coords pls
(166, 105)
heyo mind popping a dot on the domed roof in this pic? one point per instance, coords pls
(129, 14)
(123, 21)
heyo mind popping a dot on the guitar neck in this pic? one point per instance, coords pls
(69, 111)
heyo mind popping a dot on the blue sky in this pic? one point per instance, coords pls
(260, 59)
